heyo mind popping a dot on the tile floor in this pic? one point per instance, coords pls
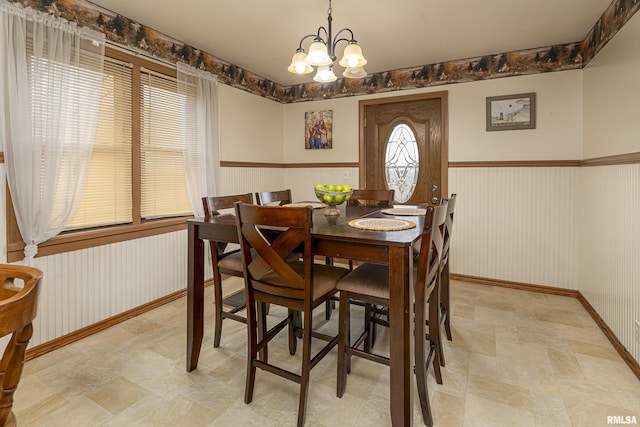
(517, 359)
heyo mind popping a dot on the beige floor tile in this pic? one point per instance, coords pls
(118, 394)
(517, 359)
(447, 410)
(483, 412)
(548, 409)
(80, 412)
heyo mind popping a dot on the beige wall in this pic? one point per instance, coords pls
(558, 135)
(250, 127)
(345, 131)
(612, 95)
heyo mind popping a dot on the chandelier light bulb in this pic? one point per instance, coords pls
(325, 75)
(354, 73)
(352, 56)
(298, 66)
(318, 54)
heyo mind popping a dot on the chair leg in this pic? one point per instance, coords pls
(369, 327)
(297, 321)
(421, 356)
(252, 348)
(343, 341)
(306, 366)
(294, 317)
(434, 333)
(12, 364)
(444, 297)
(329, 306)
(217, 301)
(262, 330)
(437, 333)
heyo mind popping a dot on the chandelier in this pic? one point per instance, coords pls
(322, 55)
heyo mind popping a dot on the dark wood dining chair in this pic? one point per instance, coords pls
(299, 286)
(444, 268)
(380, 198)
(18, 308)
(283, 197)
(370, 283)
(280, 197)
(229, 263)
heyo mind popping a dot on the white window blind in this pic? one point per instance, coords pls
(163, 182)
(107, 199)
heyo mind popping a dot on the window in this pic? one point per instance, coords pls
(107, 197)
(164, 186)
(136, 185)
(402, 162)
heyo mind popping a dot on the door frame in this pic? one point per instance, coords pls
(443, 96)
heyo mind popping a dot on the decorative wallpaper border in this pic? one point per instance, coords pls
(137, 37)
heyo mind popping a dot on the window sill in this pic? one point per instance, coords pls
(88, 239)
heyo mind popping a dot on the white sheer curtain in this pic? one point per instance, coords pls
(200, 133)
(50, 85)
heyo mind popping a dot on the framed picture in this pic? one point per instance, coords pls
(318, 129)
(511, 112)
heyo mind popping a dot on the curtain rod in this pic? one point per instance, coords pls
(142, 54)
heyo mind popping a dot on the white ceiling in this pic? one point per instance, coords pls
(261, 36)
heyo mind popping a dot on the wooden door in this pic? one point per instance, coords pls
(403, 145)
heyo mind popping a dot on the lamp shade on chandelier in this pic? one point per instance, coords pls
(322, 55)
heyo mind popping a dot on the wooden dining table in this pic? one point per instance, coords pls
(332, 237)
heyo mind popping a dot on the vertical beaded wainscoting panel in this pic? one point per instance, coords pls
(517, 224)
(610, 248)
(238, 180)
(84, 287)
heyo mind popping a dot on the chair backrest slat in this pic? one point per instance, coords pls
(274, 232)
(213, 204)
(448, 225)
(282, 197)
(212, 207)
(431, 246)
(381, 198)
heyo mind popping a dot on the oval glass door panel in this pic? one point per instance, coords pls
(401, 162)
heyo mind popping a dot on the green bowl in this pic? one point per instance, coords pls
(333, 197)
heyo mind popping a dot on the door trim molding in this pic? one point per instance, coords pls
(444, 146)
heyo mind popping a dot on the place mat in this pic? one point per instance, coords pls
(381, 224)
(314, 205)
(404, 211)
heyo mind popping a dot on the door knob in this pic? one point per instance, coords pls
(434, 188)
(434, 200)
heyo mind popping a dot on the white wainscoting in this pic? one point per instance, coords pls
(235, 180)
(610, 247)
(84, 287)
(517, 224)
